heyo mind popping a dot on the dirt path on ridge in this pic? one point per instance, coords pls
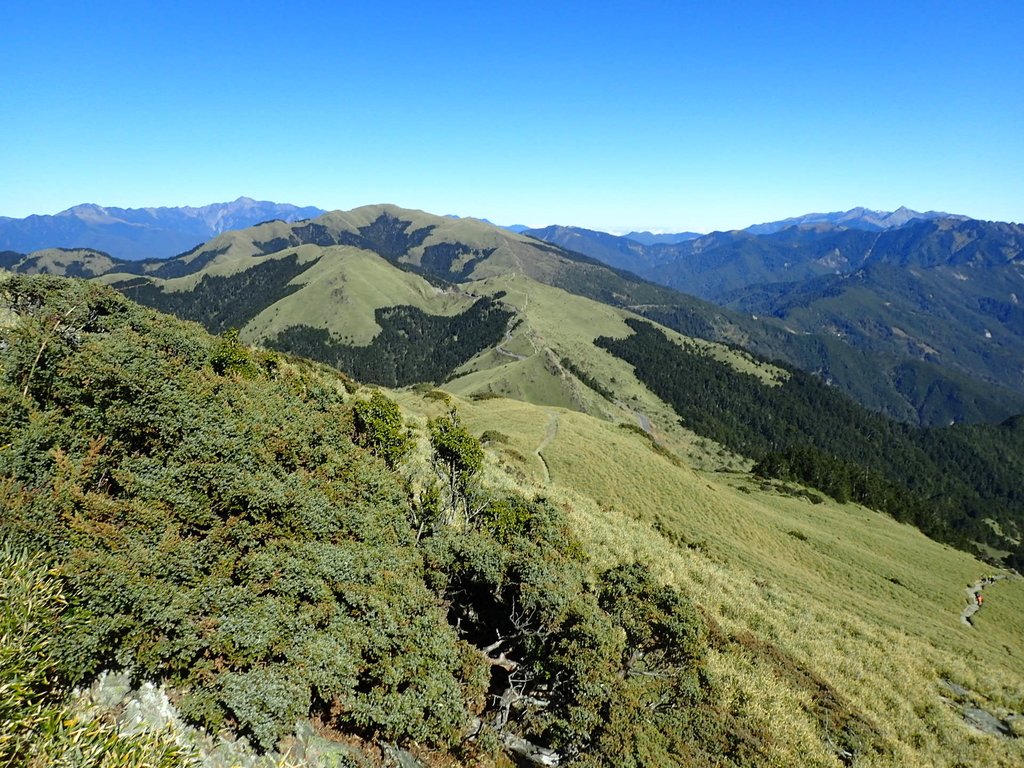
(500, 348)
(548, 437)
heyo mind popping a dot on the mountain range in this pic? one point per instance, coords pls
(398, 297)
(942, 291)
(298, 569)
(456, 250)
(855, 218)
(140, 233)
(575, 518)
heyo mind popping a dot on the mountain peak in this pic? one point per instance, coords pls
(855, 218)
(138, 233)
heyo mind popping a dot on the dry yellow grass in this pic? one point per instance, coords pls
(870, 605)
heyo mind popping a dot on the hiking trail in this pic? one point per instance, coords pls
(972, 593)
(552, 431)
(512, 321)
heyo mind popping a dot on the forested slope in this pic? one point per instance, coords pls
(217, 528)
(947, 481)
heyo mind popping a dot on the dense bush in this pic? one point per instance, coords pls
(379, 428)
(220, 532)
(39, 726)
(216, 528)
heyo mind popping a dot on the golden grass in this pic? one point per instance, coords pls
(869, 605)
(342, 291)
(54, 261)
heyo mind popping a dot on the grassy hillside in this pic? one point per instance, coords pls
(549, 358)
(948, 481)
(272, 543)
(390, 297)
(446, 252)
(229, 524)
(826, 613)
(72, 262)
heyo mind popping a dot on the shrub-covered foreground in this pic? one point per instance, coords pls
(215, 528)
(38, 724)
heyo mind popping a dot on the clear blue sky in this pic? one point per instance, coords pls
(612, 115)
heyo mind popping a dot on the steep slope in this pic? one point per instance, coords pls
(139, 233)
(239, 275)
(217, 527)
(226, 524)
(369, 292)
(854, 603)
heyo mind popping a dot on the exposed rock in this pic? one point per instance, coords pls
(148, 708)
(985, 721)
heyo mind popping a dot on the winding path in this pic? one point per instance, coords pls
(548, 437)
(642, 419)
(500, 348)
(972, 593)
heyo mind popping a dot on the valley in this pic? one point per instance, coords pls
(830, 630)
(512, 385)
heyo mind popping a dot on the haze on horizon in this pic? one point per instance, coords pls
(646, 116)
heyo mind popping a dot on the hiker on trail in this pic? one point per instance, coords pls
(981, 599)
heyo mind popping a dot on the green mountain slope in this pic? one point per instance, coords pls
(373, 292)
(221, 525)
(218, 530)
(935, 304)
(965, 318)
(850, 599)
(71, 262)
(280, 278)
(952, 483)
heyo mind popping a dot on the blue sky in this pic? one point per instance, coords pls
(612, 115)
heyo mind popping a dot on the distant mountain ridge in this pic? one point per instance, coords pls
(285, 282)
(938, 291)
(656, 238)
(855, 218)
(162, 232)
(141, 233)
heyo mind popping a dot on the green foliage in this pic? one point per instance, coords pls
(605, 672)
(217, 532)
(379, 428)
(661, 626)
(944, 481)
(231, 356)
(457, 458)
(412, 346)
(38, 723)
(507, 518)
(1015, 560)
(221, 533)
